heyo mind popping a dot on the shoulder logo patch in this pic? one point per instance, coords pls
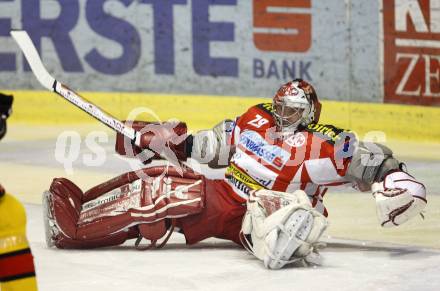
(296, 140)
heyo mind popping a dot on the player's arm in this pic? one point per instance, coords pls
(399, 196)
(171, 140)
(213, 146)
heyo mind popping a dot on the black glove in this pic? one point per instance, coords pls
(5, 111)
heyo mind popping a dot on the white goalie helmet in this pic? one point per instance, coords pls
(295, 104)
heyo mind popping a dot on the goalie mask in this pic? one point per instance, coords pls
(5, 111)
(295, 104)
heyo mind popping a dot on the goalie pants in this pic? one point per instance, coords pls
(221, 217)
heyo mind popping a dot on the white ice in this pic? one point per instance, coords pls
(220, 265)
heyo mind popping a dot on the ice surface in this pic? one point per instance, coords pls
(27, 166)
(220, 265)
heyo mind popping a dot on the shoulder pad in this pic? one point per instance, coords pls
(266, 107)
(257, 117)
(330, 133)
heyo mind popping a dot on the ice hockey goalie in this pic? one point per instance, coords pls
(279, 162)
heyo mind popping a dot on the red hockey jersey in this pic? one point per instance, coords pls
(312, 159)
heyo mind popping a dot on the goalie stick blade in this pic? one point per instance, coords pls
(30, 52)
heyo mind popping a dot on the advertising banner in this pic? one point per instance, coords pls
(412, 51)
(219, 47)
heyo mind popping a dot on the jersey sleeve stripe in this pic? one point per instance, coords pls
(16, 265)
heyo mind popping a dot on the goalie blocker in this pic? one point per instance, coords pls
(170, 140)
(128, 207)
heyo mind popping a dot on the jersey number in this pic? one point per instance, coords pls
(259, 121)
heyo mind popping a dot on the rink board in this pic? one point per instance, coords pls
(374, 51)
(402, 122)
(222, 47)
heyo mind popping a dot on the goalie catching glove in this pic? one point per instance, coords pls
(399, 197)
(283, 227)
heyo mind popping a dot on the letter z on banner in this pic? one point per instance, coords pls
(412, 51)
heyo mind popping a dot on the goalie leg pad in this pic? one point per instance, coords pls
(61, 212)
(283, 241)
(283, 227)
(128, 203)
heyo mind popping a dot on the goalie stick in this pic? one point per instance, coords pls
(30, 52)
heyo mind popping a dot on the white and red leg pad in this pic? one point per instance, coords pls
(123, 207)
